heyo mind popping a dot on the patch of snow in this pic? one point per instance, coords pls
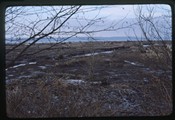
(32, 63)
(10, 75)
(74, 81)
(133, 63)
(29, 111)
(107, 52)
(146, 46)
(125, 103)
(145, 80)
(156, 44)
(90, 54)
(96, 53)
(42, 67)
(55, 97)
(18, 65)
(169, 46)
(96, 83)
(24, 76)
(116, 75)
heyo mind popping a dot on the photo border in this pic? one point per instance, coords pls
(6, 3)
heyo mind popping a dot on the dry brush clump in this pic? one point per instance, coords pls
(159, 53)
(53, 98)
(158, 93)
(156, 96)
(30, 100)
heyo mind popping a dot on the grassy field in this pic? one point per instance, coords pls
(90, 79)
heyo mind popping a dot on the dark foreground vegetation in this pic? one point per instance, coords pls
(91, 79)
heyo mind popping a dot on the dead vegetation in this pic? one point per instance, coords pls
(123, 83)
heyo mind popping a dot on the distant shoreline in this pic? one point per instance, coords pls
(78, 39)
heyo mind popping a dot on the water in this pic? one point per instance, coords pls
(73, 39)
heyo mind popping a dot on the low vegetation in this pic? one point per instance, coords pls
(110, 79)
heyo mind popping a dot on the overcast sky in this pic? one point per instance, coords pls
(122, 15)
(126, 15)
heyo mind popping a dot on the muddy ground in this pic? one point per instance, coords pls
(89, 79)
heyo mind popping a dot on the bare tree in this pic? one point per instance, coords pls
(155, 29)
(26, 26)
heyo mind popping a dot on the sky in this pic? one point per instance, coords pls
(124, 15)
(116, 16)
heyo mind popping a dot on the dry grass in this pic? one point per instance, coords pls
(52, 100)
(51, 96)
(58, 99)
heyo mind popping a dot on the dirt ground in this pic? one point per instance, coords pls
(90, 79)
